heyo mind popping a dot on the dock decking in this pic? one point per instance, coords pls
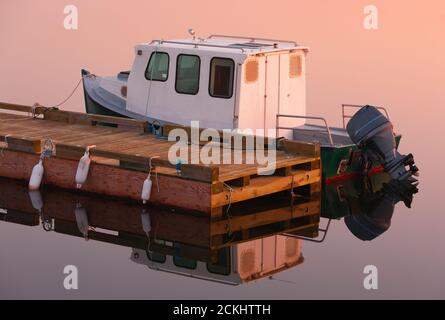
(120, 161)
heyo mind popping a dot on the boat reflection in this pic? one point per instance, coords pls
(236, 248)
(367, 205)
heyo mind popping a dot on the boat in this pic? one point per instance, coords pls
(231, 82)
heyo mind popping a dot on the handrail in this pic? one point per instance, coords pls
(252, 39)
(344, 116)
(331, 141)
(197, 44)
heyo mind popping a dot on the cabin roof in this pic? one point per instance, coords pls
(230, 44)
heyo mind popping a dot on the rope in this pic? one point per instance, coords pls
(230, 197)
(74, 91)
(229, 228)
(282, 280)
(34, 107)
(48, 149)
(90, 75)
(6, 145)
(156, 172)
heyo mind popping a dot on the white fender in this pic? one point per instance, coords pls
(36, 176)
(83, 168)
(82, 220)
(36, 200)
(146, 222)
(146, 189)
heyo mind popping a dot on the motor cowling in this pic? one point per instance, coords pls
(374, 134)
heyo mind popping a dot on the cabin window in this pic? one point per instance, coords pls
(183, 262)
(156, 257)
(157, 69)
(295, 66)
(187, 74)
(251, 74)
(221, 78)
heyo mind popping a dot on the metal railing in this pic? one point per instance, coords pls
(197, 44)
(252, 39)
(325, 129)
(320, 230)
(345, 116)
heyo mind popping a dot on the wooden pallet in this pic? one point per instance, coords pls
(123, 153)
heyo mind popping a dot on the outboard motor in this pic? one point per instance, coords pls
(373, 133)
(378, 209)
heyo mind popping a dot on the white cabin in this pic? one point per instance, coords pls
(224, 82)
(242, 263)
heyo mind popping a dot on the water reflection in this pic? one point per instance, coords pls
(233, 249)
(367, 205)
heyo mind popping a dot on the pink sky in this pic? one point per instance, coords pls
(401, 65)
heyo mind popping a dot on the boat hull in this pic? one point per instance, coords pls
(341, 163)
(93, 107)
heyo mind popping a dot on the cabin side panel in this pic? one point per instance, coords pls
(292, 97)
(277, 86)
(251, 96)
(137, 90)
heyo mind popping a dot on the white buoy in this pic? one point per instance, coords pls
(146, 222)
(36, 200)
(83, 168)
(82, 220)
(36, 176)
(146, 189)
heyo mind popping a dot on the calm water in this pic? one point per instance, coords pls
(115, 262)
(382, 68)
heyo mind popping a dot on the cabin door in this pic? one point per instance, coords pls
(271, 95)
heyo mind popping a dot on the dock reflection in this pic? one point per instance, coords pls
(235, 248)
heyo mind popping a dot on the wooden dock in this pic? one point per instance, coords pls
(120, 162)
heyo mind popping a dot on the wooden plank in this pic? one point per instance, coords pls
(193, 172)
(241, 182)
(262, 218)
(21, 108)
(200, 172)
(231, 173)
(90, 119)
(22, 144)
(72, 152)
(301, 148)
(261, 186)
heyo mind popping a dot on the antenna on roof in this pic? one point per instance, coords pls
(192, 33)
